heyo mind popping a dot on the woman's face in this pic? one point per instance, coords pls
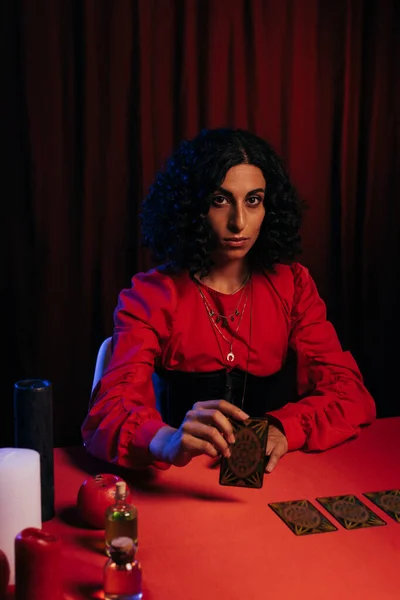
(237, 211)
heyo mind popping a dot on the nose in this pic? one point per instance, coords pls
(237, 219)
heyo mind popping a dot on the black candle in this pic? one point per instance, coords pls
(33, 422)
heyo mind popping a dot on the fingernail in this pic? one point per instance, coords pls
(232, 439)
(243, 415)
(227, 453)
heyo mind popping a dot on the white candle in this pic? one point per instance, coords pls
(20, 504)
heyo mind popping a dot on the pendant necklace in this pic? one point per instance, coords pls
(230, 357)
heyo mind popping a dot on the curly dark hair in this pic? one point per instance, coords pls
(174, 213)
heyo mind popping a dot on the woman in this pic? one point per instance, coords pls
(211, 330)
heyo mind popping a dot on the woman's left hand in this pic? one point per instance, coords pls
(277, 446)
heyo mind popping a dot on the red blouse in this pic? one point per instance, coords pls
(162, 319)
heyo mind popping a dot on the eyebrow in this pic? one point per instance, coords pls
(228, 193)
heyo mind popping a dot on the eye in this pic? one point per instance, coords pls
(218, 200)
(254, 200)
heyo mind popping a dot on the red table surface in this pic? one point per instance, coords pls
(199, 540)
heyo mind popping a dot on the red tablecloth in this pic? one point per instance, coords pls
(199, 540)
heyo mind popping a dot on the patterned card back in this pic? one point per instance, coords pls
(245, 466)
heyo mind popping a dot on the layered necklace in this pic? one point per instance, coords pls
(219, 321)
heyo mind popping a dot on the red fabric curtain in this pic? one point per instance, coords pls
(98, 93)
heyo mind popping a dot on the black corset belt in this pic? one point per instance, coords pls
(177, 391)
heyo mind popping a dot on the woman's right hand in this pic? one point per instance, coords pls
(205, 430)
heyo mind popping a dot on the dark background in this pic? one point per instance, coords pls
(97, 93)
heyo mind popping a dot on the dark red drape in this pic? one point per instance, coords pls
(97, 94)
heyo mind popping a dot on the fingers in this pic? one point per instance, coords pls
(270, 446)
(275, 453)
(273, 460)
(216, 413)
(178, 447)
(225, 407)
(208, 433)
(207, 430)
(194, 446)
(215, 419)
(277, 446)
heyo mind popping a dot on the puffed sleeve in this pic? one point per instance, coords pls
(334, 402)
(123, 418)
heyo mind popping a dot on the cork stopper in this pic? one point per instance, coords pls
(120, 489)
(123, 545)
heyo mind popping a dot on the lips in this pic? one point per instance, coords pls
(236, 242)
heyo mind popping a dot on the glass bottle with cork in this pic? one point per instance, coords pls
(122, 571)
(121, 518)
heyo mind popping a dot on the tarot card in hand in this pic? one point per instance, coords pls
(350, 512)
(245, 466)
(302, 517)
(388, 501)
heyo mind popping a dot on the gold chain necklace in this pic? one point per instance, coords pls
(222, 318)
(236, 313)
(228, 381)
(230, 357)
